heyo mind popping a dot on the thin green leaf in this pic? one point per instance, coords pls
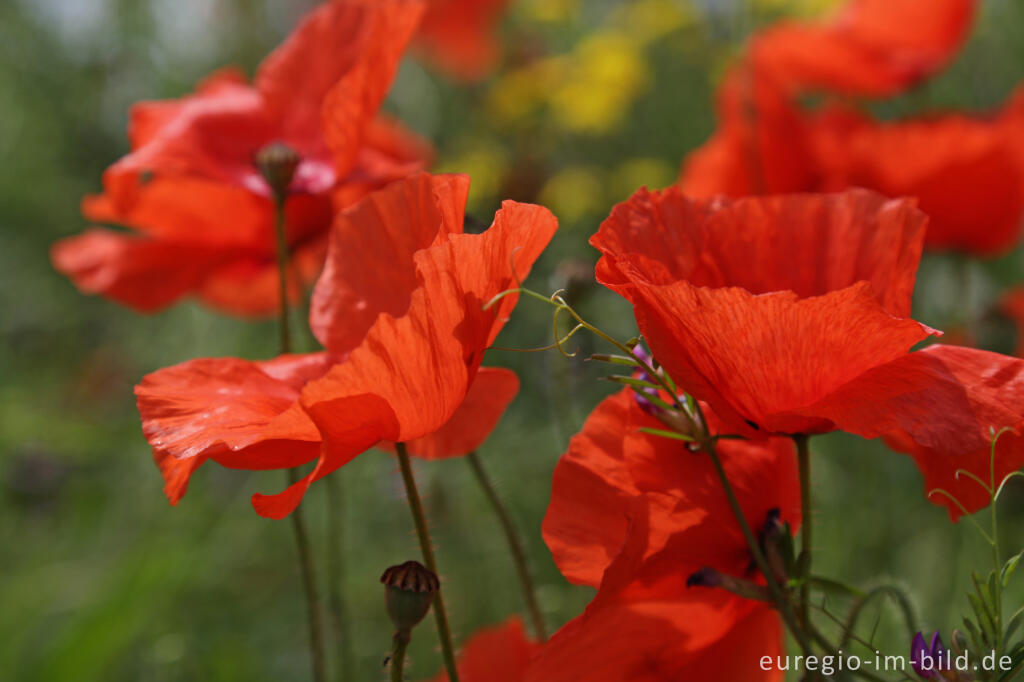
(674, 435)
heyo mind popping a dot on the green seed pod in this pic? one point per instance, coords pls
(409, 592)
(277, 163)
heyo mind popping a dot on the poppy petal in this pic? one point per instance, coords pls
(808, 244)
(938, 405)
(498, 654)
(143, 273)
(336, 39)
(420, 366)
(488, 397)
(458, 36)
(965, 172)
(388, 227)
(586, 521)
(352, 102)
(871, 47)
(754, 358)
(210, 406)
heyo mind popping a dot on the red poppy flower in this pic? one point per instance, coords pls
(635, 515)
(201, 212)
(761, 145)
(459, 36)
(966, 173)
(498, 654)
(788, 315)
(871, 47)
(410, 372)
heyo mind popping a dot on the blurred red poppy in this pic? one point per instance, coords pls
(870, 47)
(635, 515)
(966, 173)
(498, 654)
(459, 36)
(190, 190)
(409, 374)
(788, 315)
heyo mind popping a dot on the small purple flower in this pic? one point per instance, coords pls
(642, 374)
(933, 661)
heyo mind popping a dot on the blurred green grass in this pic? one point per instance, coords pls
(101, 580)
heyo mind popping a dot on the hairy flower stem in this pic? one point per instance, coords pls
(780, 599)
(316, 630)
(515, 545)
(806, 528)
(336, 575)
(401, 643)
(284, 313)
(419, 518)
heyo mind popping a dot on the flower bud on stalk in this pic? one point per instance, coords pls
(277, 163)
(409, 592)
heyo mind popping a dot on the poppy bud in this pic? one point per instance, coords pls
(277, 162)
(709, 577)
(410, 590)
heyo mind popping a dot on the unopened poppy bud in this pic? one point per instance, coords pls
(709, 577)
(777, 544)
(409, 592)
(277, 163)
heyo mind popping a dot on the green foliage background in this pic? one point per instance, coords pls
(101, 580)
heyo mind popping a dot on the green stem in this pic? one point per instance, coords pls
(401, 643)
(806, 525)
(316, 634)
(897, 595)
(282, 275)
(419, 518)
(515, 545)
(316, 631)
(781, 602)
(336, 577)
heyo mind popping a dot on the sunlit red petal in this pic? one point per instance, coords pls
(755, 358)
(352, 102)
(488, 397)
(214, 407)
(369, 268)
(808, 244)
(939, 405)
(411, 373)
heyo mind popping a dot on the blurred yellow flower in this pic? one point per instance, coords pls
(549, 11)
(646, 21)
(608, 71)
(575, 192)
(484, 162)
(797, 8)
(636, 173)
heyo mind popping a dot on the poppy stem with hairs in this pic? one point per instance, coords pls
(282, 276)
(316, 630)
(401, 643)
(515, 545)
(806, 526)
(420, 520)
(781, 602)
(335, 574)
